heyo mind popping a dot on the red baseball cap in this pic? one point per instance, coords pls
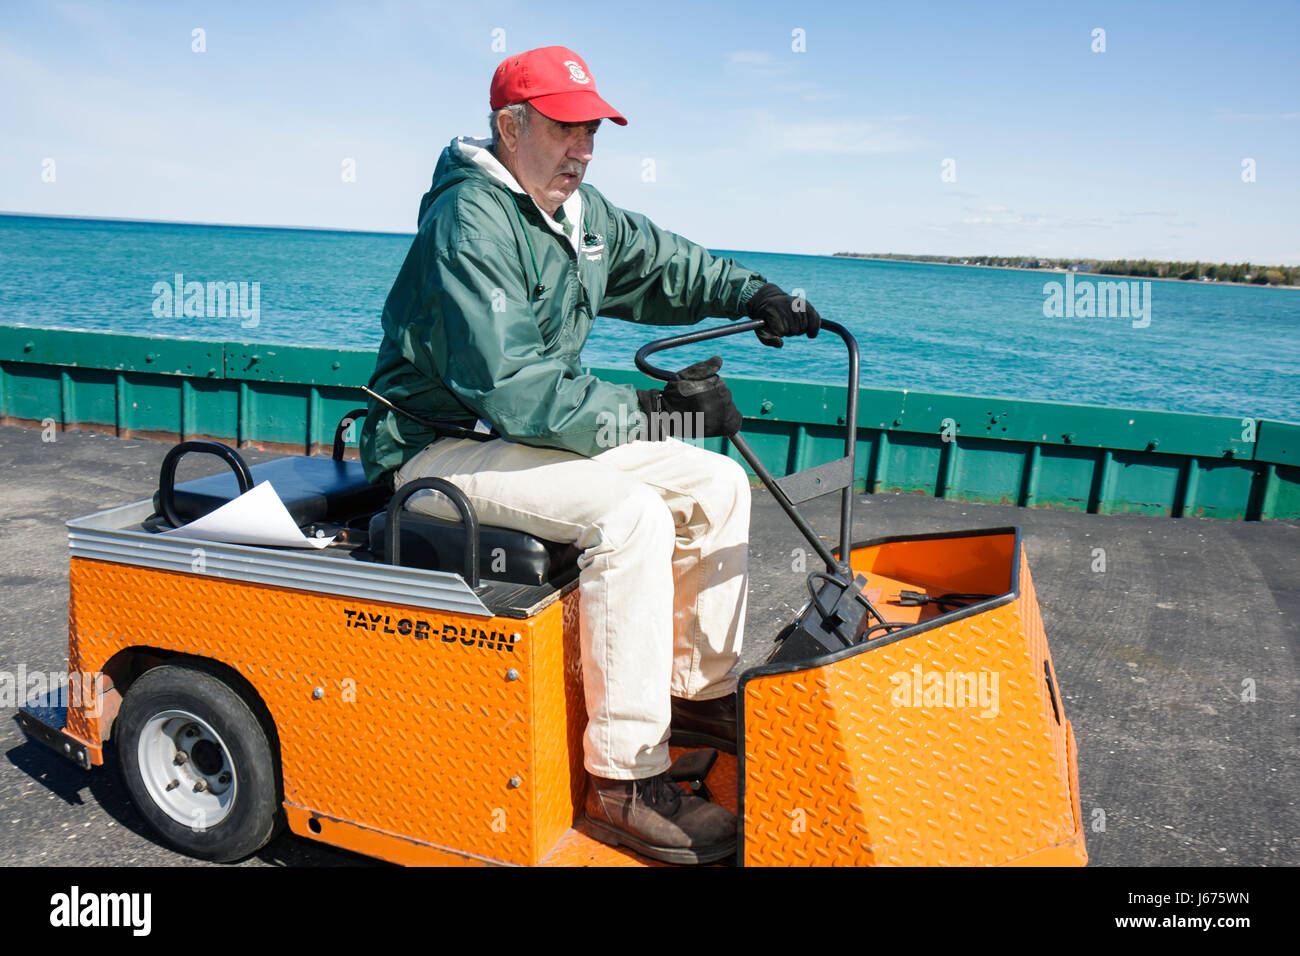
(557, 83)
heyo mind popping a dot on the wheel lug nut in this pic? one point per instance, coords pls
(200, 786)
(180, 758)
(173, 785)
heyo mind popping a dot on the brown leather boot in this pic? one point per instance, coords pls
(705, 723)
(659, 819)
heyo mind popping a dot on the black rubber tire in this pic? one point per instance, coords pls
(255, 816)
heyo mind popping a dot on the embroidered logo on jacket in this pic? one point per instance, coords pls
(593, 244)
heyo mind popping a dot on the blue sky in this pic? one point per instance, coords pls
(1058, 150)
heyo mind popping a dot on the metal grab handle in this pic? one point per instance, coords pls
(355, 415)
(468, 516)
(167, 476)
(687, 338)
(765, 476)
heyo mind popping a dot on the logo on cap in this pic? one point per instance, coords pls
(546, 78)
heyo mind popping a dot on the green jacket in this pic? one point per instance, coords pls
(467, 336)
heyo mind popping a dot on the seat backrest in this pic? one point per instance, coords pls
(504, 555)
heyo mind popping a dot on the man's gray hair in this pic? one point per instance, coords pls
(520, 111)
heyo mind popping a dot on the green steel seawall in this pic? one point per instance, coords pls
(964, 447)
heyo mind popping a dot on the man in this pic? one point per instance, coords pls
(484, 327)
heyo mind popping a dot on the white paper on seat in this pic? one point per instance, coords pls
(255, 517)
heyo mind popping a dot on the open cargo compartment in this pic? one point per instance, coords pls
(944, 742)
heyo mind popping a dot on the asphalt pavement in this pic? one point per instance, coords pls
(1176, 662)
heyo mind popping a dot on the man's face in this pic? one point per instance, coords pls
(552, 157)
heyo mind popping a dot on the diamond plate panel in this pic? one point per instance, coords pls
(414, 735)
(1036, 637)
(846, 764)
(560, 714)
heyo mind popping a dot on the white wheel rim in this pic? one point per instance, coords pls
(186, 769)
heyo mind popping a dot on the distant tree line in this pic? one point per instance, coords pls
(1146, 268)
(1221, 272)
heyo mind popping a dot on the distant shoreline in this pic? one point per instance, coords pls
(1103, 276)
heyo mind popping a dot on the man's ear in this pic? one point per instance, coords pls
(507, 132)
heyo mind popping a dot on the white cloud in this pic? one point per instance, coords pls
(759, 63)
(1257, 116)
(824, 136)
(1001, 219)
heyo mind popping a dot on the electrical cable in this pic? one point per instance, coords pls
(857, 596)
(945, 602)
(889, 626)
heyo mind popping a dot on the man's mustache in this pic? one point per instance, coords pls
(575, 170)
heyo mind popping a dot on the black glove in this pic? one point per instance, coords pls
(782, 315)
(697, 391)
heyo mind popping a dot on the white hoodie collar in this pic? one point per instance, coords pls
(477, 151)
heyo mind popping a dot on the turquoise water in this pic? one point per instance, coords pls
(1214, 349)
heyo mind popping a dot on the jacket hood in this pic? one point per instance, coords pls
(467, 158)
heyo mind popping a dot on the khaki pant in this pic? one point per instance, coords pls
(663, 530)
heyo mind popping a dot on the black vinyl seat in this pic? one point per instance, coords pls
(335, 491)
(438, 544)
(312, 489)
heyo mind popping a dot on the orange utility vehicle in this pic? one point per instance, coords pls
(397, 694)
